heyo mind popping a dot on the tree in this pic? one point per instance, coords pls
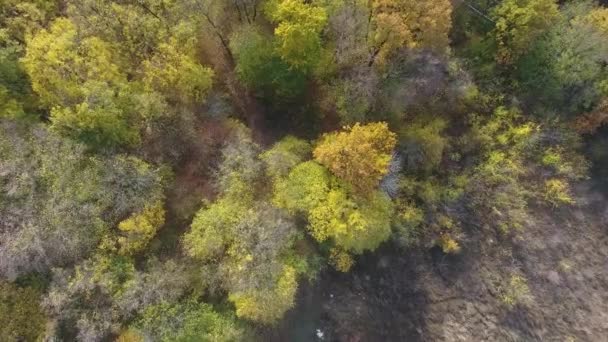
(299, 25)
(360, 155)
(140, 228)
(351, 222)
(95, 298)
(267, 306)
(57, 202)
(518, 24)
(261, 69)
(249, 241)
(408, 24)
(17, 20)
(188, 320)
(134, 28)
(565, 68)
(21, 317)
(424, 144)
(83, 85)
(284, 155)
(354, 225)
(177, 74)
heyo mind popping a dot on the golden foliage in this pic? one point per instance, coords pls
(360, 154)
(411, 24)
(340, 259)
(140, 228)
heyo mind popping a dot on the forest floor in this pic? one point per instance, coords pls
(418, 295)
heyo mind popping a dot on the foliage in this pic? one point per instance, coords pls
(360, 155)
(258, 66)
(424, 144)
(285, 155)
(565, 67)
(557, 192)
(101, 293)
(518, 24)
(352, 222)
(21, 317)
(82, 83)
(58, 202)
(176, 74)
(355, 225)
(341, 260)
(250, 240)
(101, 101)
(409, 24)
(188, 320)
(140, 228)
(515, 292)
(299, 25)
(267, 305)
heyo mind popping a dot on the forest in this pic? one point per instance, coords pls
(303, 170)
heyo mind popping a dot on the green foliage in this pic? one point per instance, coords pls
(176, 74)
(518, 24)
(285, 155)
(304, 188)
(83, 85)
(95, 298)
(121, 85)
(407, 222)
(353, 223)
(258, 66)
(188, 320)
(424, 144)
(21, 317)
(557, 192)
(565, 67)
(208, 234)
(267, 305)
(249, 240)
(299, 25)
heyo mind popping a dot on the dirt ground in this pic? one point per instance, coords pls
(394, 295)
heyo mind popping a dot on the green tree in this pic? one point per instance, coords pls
(424, 144)
(565, 68)
(299, 25)
(349, 221)
(261, 69)
(82, 84)
(140, 228)
(518, 24)
(176, 74)
(188, 320)
(21, 317)
(249, 241)
(284, 155)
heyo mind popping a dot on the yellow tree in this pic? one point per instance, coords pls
(360, 155)
(406, 23)
(140, 228)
